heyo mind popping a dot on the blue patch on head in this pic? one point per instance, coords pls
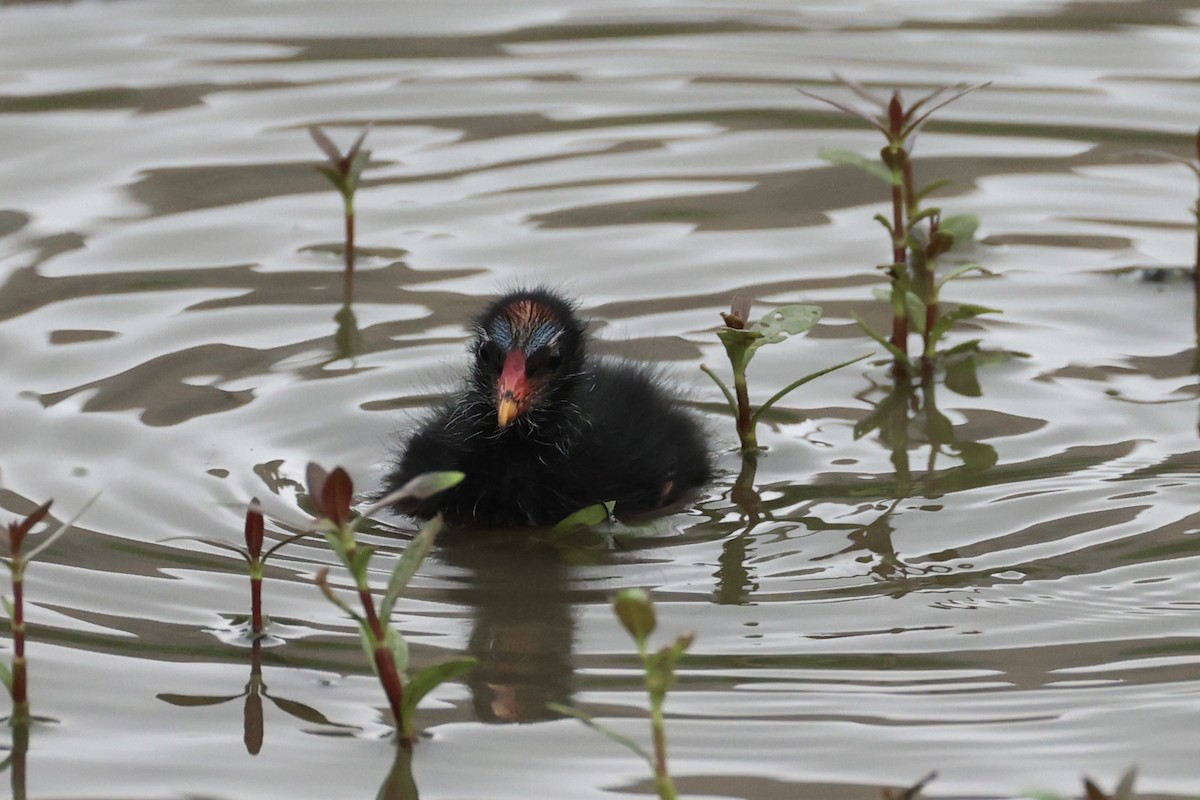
(502, 333)
(508, 334)
(542, 335)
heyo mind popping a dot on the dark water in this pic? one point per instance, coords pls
(890, 607)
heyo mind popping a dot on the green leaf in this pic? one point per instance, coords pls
(783, 322)
(6, 676)
(724, 389)
(958, 272)
(367, 639)
(961, 226)
(399, 647)
(849, 158)
(586, 517)
(924, 213)
(602, 729)
(636, 612)
(891, 348)
(931, 188)
(965, 311)
(431, 677)
(798, 383)
(886, 223)
(661, 666)
(419, 488)
(357, 564)
(410, 561)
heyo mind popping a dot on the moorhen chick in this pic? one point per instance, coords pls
(541, 429)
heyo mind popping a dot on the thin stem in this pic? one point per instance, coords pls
(721, 385)
(20, 674)
(256, 616)
(20, 749)
(385, 666)
(348, 275)
(899, 259)
(662, 777)
(745, 420)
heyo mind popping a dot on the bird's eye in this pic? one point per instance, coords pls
(490, 355)
(547, 359)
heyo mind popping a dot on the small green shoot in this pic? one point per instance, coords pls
(332, 492)
(742, 342)
(635, 610)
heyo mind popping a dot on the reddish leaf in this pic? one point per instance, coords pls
(254, 530)
(314, 481)
(17, 530)
(896, 114)
(336, 496)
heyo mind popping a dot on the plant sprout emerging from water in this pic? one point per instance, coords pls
(742, 342)
(344, 171)
(915, 290)
(16, 678)
(255, 557)
(385, 646)
(635, 610)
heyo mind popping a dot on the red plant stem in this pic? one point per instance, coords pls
(256, 616)
(385, 665)
(20, 679)
(348, 275)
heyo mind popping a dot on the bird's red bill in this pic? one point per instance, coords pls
(512, 390)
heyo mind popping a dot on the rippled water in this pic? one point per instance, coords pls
(167, 339)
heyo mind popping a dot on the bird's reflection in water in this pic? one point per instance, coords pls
(519, 597)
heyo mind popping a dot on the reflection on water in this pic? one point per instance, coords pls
(518, 598)
(990, 571)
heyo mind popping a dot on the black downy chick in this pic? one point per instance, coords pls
(542, 430)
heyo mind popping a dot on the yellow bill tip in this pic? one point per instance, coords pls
(506, 411)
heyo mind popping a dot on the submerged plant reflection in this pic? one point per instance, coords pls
(253, 718)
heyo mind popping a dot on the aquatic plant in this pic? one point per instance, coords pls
(332, 493)
(344, 172)
(915, 288)
(742, 342)
(255, 557)
(16, 678)
(635, 610)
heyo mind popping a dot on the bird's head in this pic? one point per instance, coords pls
(528, 351)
